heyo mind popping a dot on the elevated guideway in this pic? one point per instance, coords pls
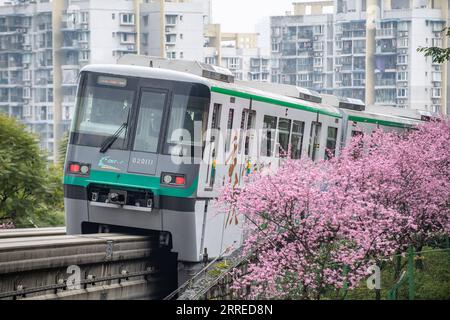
(35, 232)
(46, 264)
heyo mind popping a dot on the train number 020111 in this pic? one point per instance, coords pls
(142, 161)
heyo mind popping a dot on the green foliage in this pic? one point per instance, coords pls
(62, 149)
(439, 55)
(31, 191)
(431, 278)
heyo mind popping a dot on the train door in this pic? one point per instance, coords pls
(213, 150)
(150, 114)
(314, 140)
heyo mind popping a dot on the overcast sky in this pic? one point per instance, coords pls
(244, 15)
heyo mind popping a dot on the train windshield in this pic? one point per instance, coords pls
(104, 106)
(166, 116)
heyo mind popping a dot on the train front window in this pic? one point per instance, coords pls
(187, 120)
(149, 121)
(102, 110)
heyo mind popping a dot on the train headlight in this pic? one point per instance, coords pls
(173, 179)
(167, 179)
(84, 169)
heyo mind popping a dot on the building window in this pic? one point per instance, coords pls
(171, 19)
(127, 38)
(84, 17)
(275, 47)
(84, 56)
(402, 59)
(403, 42)
(114, 16)
(436, 92)
(402, 76)
(127, 18)
(402, 93)
(437, 76)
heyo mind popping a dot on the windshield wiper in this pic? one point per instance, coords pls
(110, 140)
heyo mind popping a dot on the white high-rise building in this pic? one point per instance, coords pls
(395, 73)
(40, 90)
(238, 52)
(176, 30)
(91, 31)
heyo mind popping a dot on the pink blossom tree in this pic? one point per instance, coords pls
(317, 226)
(6, 225)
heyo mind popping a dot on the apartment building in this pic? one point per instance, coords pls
(44, 44)
(26, 66)
(302, 50)
(38, 77)
(174, 28)
(388, 72)
(238, 52)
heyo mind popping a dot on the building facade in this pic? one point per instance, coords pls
(375, 61)
(238, 52)
(91, 31)
(44, 45)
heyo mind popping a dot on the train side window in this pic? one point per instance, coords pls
(284, 135)
(314, 140)
(268, 139)
(330, 151)
(229, 130)
(149, 121)
(215, 121)
(251, 116)
(298, 129)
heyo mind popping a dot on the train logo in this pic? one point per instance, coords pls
(107, 163)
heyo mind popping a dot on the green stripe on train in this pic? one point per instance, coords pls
(380, 122)
(245, 95)
(131, 181)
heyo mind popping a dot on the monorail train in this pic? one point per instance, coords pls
(153, 140)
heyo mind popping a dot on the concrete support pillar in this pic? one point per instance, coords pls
(57, 11)
(137, 14)
(371, 20)
(444, 8)
(163, 29)
(387, 5)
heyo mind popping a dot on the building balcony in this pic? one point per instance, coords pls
(386, 50)
(70, 46)
(386, 33)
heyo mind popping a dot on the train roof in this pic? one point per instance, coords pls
(216, 86)
(145, 72)
(242, 91)
(381, 119)
(254, 92)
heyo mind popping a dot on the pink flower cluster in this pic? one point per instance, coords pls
(313, 227)
(7, 225)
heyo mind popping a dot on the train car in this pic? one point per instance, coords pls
(153, 141)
